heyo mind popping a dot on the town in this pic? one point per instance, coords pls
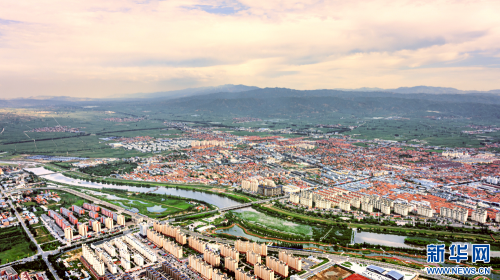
(214, 205)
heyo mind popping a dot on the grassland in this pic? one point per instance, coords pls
(404, 231)
(275, 223)
(165, 205)
(41, 234)
(14, 244)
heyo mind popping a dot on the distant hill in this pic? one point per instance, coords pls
(189, 92)
(422, 89)
(287, 103)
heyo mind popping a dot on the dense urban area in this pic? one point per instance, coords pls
(134, 197)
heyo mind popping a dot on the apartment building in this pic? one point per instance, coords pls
(109, 223)
(244, 246)
(171, 231)
(197, 264)
(230, 264)
(367, 207)
(212, 258)
(138, 259)
(425, 211)
(401, 209)
(253, 258)
(459, 214)
(250, 185)
(82, 229)
(197, 244)
(240, 274)
(96, 226)
(218, 275)
(110, 249)
(278, 266)
(293, 262)
(92, 259)
(173, 249)
(263, 272)
(479, 215)
(68, 233)
(120, 220)
(228, 251)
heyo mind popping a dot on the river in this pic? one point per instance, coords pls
(213, 199)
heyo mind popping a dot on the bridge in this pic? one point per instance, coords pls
(239, 206)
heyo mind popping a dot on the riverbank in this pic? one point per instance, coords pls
(218, 190)
(441, 235)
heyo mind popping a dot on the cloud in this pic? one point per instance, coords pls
(98, 48)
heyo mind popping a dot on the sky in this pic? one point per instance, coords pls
(99, 48)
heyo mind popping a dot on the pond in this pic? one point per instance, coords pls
(382, 239)
(156, 209)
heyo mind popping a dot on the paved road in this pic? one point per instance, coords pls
(237, 206)
(40, 251)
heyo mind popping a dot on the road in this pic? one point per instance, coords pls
(244, 205)
(40, 251)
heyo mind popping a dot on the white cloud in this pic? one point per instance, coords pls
(109, 47)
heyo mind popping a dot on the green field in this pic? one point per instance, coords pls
(275, 223)
(14, 244)
(67, 200)
(42, 234)
(164, 205)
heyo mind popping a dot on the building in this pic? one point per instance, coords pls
(228, 251)
(110, 249)
(253, 258)
(293, 262)
(459, 214)
(197, 264)
(109, 223)
(143, 229)
(7, 272)
(120, 220)
(263, 272)
(231, 264)
(68, 233)
(96, 226)
(125, 263)
(218, 275)
(367, 207)
(240, 274)
(394, 275)
(270, 190)
(212, 258)
(141, 248)
(197, 244)
(250, 185)
(92, 262)
(173, 249)
(138, 259)
(375, 269)
(401, 209)
(245, 246)
(425, 211)
(479, 215)
(279, 267)
(82, 229)
(171, 231)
